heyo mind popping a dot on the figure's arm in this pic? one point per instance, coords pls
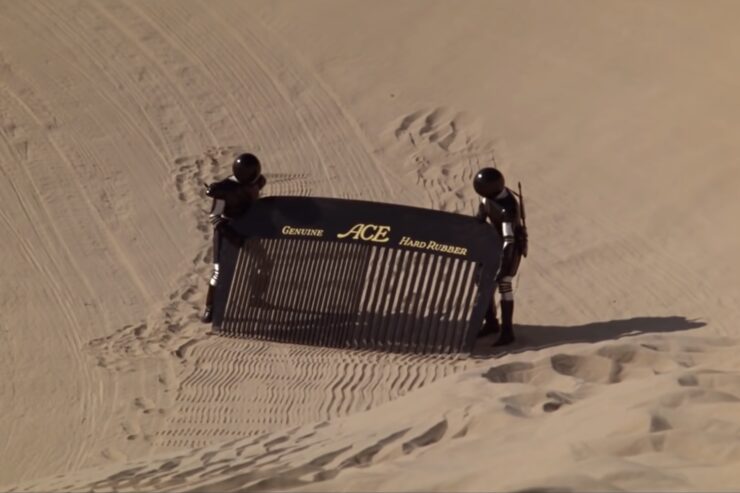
(509, 243)
(481, 215)
(510, 223)
(217, 210)
(217, 191)
(520, 227)
(261, 182)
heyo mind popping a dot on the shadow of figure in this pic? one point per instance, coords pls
(533, 337)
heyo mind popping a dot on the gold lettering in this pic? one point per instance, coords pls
(366, 228)
(291, 231)
(367, 232)
(382, 235)
(432, 245)
(354, 232)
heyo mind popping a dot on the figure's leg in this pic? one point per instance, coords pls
(507, 311)
(490, 324)
(207, 316)
(507, 303)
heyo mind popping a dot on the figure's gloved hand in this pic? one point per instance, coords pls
(218, 220)
(525, 245)
(481, 215)
(220, 189)
(523, 241)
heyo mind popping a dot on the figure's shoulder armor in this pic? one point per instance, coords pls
(222, 189)
(493, 210)
(510, 208)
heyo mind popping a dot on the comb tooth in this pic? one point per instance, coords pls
(413, 334)
(319, 299)
(358, 264)
(283, 323)
(367, 296)
(452, 307)
(395, 316)
(275, 252)
(337, 267)
(405, 321)
(245, 327)
(228, 323)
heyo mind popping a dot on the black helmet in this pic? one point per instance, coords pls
(247, 168)
(488, 182)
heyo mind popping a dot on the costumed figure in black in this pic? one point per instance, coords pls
(499, 205)
(232, 197)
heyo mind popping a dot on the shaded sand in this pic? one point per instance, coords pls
(620, 118)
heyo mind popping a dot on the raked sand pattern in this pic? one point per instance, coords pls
(619, 119)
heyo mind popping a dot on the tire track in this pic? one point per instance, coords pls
(186, 59)
(73, 32)
(260, 97)
(82, 157)
(68, 170)
(153, 134)
(297, 83)
(48, 267)
(160, 56)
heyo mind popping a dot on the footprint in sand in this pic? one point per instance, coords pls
(132, 429)
(516, 372)
(536, 402)
(144, 405)
(589, 368)
(722, 381)
(431, 436)
(193, 172)
(441, 150)
(113, 455)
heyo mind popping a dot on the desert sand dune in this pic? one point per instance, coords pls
(620, 119)
(643, 414)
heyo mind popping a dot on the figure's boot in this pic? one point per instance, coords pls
(507, 323)
(207, 316)
(490, 326)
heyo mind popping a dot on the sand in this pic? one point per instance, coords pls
(620, 119)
